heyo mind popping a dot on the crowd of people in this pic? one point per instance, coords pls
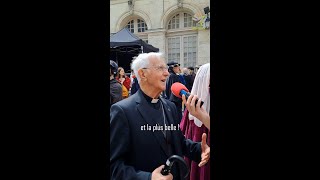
(148, 123)
(121, 86)
(130, 85)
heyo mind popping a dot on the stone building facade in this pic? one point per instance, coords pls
(170, 25)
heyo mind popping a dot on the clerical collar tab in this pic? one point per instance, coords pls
(154, 100)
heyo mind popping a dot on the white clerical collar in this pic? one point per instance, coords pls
(154, 101)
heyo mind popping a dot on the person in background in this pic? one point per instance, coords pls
(187, 78)
(192, 75)
(135, 84)
(125, 81)
(181, 76)
(115, 86)
(191, 126)
(196, 69)
(174, 70)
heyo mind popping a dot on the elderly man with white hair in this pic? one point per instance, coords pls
(144, 128)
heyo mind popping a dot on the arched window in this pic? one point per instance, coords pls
(137, 25)
(182, 45)
(187, 20)
(174, 22)
(181, 20)
(130, 26)
(142, 26)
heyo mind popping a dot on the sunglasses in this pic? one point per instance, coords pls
(176, 65)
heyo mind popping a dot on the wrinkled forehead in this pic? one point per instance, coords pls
(156, 61)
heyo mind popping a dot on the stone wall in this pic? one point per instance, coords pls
(156, 14)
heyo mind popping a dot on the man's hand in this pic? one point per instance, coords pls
(156, 174)
(205, 155)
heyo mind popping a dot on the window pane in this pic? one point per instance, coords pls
(190, 54)
(174, 22)
(142, 26)
(130, 26)
(187, 20)
(174, 49)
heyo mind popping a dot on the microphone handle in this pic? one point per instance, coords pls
(187, 94)
(166, 170)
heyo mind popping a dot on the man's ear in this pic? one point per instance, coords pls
(142, 74)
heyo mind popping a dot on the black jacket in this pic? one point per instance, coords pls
(135, 86)
(168, 94)
(115, 91)
(189, 82)
(134, 152)
(173, 78)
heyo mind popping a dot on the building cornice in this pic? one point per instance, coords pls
(158, 30)
(181, 30)
(113, 2)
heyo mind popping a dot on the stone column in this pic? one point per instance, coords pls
(157, 38)
(203, 47)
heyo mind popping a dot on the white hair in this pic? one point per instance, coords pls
(185, 71)
(201, 89)
(143, 61)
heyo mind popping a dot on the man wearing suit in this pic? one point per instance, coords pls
(139, 142)
(174, 70)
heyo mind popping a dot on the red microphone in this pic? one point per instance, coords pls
(179, 89)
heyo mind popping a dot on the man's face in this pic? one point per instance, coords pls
(176, 68)
(156, 74)
(185, 71)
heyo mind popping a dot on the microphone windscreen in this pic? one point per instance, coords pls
(176, 88)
